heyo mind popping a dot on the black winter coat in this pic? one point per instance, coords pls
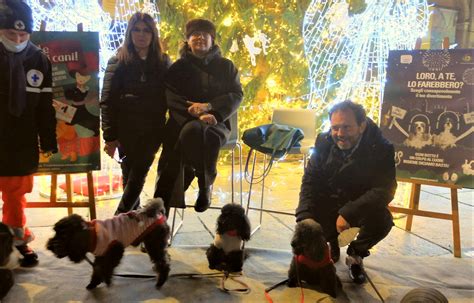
(213, 80)
(352, 186)
(21, 137)
(133, 97)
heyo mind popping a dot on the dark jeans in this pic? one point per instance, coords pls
(195, 150)
(139, 151)
(374, 226)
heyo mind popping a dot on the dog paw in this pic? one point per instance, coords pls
(291, 283)
(91, 286)
(162, 277)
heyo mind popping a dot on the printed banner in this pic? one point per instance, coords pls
(75, 62)
(428, 114)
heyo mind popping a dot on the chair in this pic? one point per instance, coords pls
(305, 119)
(232, 144)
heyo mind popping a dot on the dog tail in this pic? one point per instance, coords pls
(154, 206)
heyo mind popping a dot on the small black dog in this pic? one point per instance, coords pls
(107, 239)
(312, 261)
(6, 259)
(233, 228)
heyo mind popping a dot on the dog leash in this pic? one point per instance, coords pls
(244, 290)
(224, 275)
(267, 290)
(373, 285)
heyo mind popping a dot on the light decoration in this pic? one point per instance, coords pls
(65, 15)
(273, 68)
(347, 45)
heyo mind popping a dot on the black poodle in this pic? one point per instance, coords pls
(312, 261)
(6, 256)
(233, 228)
(107, 239)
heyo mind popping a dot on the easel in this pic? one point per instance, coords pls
(53, 200)
(415, 197)
(415, 203)
(69, 192)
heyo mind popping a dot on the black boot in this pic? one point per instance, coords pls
(30, 258)
(203, 200)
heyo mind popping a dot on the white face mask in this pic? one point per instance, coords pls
(12, 46)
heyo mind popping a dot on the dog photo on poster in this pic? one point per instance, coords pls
(428, 114)
(75, 66)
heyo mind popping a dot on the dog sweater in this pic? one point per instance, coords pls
(128, 228)
(228, 242)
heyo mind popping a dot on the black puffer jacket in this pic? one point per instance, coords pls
(133, 97)
(213, 79)
(19, 136)
(352, 186)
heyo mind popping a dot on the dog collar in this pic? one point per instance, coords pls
(232, 233)
(93, 235)
(302, 259)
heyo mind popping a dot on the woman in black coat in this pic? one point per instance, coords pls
(133, 105)
(203, 91)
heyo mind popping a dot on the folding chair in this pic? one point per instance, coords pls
(305, 119)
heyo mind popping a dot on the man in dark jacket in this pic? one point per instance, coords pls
(27, 118)
(349, 181)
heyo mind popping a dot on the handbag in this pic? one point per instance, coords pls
(271, 139)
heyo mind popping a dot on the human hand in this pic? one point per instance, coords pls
(110, 147)
(197, 109)
(341, 224)
(208, 119)
(46, 154)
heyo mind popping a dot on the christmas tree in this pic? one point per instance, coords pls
(262, 37)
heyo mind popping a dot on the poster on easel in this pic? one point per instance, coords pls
(428, 114)
(75, 66)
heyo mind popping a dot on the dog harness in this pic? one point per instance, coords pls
(302, 259)
(128, 228)
(230, 241)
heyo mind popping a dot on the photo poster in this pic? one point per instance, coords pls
(75, 66)
(428, 114)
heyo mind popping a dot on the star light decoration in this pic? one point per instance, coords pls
(347, 47)
(65, 15)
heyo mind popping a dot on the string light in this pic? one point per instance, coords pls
(65, 15)
(347, 47)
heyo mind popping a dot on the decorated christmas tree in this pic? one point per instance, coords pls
(263, 38)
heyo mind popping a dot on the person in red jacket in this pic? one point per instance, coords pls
(27, 117)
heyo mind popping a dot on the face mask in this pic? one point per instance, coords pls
(12, 46)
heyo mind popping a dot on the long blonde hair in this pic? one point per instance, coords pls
(127, 53)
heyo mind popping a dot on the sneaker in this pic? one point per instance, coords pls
(30, 258)
(203, 200)
(143, 248)
(356, 268)
(335, 251)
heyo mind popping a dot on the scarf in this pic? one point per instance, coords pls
(16, 78)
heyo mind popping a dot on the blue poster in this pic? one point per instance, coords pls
(428, 114)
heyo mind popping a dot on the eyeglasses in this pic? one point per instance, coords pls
(200, 34)
(145, 30)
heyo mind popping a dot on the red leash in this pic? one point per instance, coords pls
(267, 290)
